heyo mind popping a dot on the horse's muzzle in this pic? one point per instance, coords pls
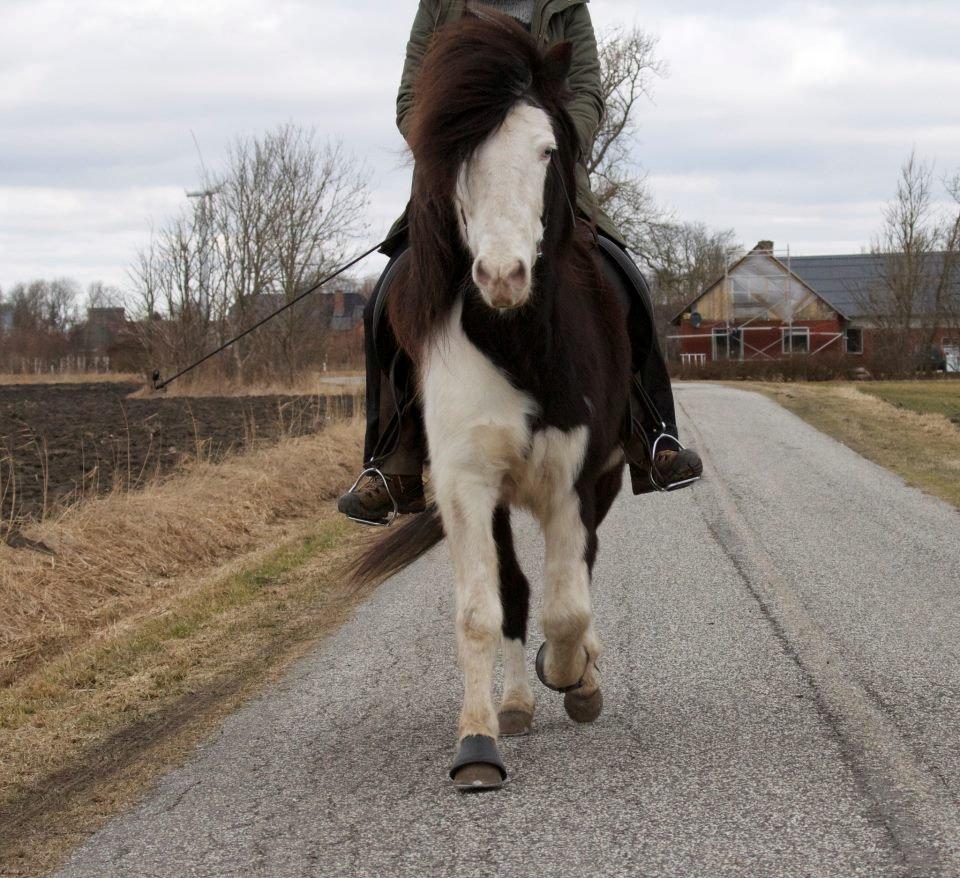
(505, 285)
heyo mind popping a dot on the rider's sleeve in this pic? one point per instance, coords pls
(424, 24)
(586, 106)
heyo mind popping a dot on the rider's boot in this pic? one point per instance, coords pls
(374, 499)
(655, 464)
(669, 470)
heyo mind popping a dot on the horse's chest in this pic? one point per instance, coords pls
(479, 425)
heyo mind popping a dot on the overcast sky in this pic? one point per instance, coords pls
(780, 120)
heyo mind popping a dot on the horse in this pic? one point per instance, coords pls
(519, 342)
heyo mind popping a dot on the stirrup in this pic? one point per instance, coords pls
(664, 489)
(372, 470)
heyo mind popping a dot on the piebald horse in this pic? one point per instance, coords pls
(522, 357)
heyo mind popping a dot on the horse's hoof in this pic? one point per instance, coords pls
(515, 722)
(583, 708)
(477, 777)
(478, 766)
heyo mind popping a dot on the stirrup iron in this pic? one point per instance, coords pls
(665, 489)
(391, 518)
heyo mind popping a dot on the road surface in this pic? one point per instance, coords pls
(782, 697)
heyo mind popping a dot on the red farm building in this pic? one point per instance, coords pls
(769, 307)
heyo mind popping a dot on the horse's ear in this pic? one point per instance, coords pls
(556, 63)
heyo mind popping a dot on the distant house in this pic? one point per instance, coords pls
(346, 310)
(338, 313)
(345, 347)
(99, 331)
(104, 340)
(767, 307)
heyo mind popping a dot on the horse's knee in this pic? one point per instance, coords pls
(479, 616)
(479, 624)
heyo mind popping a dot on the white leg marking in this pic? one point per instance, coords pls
(468, 518)
(477, 429)
(517, 694)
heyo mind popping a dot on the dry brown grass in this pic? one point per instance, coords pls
(161, 611)
(83, 734)
(116, 552)
(72, 378)
(308, 383)
(924, 449)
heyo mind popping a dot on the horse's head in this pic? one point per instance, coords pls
(495, 149)
(500, 199)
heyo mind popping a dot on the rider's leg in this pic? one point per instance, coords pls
(652, 405)
(394, 440)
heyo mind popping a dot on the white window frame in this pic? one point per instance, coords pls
(846, 348)
(792, 332)
(693, 359)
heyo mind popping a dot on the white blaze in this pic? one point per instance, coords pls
(499, 203)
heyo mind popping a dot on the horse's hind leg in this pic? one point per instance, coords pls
(516, 707)
(468, 522)
(571, 650)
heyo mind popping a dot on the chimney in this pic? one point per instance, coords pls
(764, 246)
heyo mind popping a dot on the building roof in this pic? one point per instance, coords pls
(842, 281)
(850, 284)
(753, 298)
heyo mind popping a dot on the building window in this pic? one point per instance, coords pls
(727, 343)
(795, 339)
(735, 344)
(853, 340)
(693, 359)
(721, 347)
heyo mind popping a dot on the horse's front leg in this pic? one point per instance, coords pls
(468, 521)
(567, 660)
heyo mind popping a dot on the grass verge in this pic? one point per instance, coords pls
(923, 397)
(922, 448)
(114, 554)
(161, 611)
(72, 378)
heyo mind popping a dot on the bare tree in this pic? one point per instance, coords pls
(914, 294)
(281, 212)
(40, 315)
(319, 209)
(101, 295)
(628, 68)
(681, 257)
(684, 259)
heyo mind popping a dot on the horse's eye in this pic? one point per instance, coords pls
(549, 151)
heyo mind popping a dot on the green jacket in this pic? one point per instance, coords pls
(553, 21)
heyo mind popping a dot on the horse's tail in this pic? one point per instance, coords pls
(397, 549)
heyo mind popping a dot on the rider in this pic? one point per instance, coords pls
(394, 444)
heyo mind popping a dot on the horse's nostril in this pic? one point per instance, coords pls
(518, 275)
(480, 273)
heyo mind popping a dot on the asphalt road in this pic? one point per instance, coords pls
(782, 691)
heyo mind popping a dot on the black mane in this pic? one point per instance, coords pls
(475, 71)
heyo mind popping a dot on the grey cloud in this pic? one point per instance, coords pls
(791, 117)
